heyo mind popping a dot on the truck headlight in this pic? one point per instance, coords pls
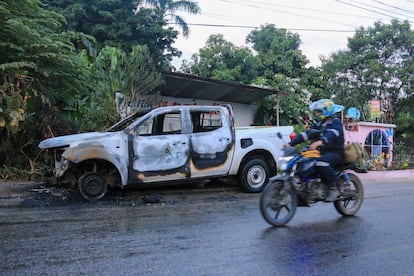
(61, 166)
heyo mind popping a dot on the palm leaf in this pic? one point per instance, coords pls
(17, 65)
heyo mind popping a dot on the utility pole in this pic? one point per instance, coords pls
(277, 109)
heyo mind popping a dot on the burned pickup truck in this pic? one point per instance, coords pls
(166, 145)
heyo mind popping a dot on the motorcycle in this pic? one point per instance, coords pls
(300, 185)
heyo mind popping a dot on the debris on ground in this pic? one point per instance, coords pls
(61, 193)
(152, 198)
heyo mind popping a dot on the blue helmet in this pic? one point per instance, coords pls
(327, 107)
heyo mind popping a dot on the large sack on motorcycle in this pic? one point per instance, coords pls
(353, 152)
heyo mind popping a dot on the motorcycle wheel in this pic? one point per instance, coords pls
(278, 203)
(350, 206)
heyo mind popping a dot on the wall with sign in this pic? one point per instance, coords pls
(375, 109)
(243, 113)
(376, 139)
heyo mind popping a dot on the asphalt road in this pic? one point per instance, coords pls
(213, 230)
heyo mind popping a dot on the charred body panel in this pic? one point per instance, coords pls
(212, 142)
(167, 145)
(158, 158)
(71, 150)
(212, 148)
(196, 143)
(160, 153)
(109, 151)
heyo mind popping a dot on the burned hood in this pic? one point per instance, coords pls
(73, 139)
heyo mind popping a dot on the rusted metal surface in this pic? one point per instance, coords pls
(160, 152)
(141, 154)
(166, 144)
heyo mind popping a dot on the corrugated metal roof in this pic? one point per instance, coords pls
(181, 85)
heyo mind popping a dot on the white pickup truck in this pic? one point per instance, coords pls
(166, 145)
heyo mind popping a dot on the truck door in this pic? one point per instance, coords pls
(212, 142)
(160, 149)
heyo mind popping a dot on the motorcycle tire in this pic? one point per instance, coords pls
(349, 206)
(278, 203)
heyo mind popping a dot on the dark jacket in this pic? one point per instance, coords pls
(332, 136)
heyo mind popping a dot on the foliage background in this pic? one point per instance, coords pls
(63, 61)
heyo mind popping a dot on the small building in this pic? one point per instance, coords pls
(377, 139)
(185, 89)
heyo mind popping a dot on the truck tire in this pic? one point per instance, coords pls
(92, 186)
(254, 176)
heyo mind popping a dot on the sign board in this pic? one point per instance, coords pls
(375, 109)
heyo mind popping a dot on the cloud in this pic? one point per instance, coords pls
(323, 25)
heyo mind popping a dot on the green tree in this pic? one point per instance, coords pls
(315, 81)
(278, 65)
(278, 51)
(290, 106)
(39, 67)
(169, 8)
(114, 23)
(404, 120)
(37, 56)
(222, 60)
(124, 82)
(139, 80)
(378, 64)
(282, 68)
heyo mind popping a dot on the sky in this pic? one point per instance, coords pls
(323, 25)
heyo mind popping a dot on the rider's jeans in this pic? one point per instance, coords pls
(325, 165)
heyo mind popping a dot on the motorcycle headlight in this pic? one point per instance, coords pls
(283, 162)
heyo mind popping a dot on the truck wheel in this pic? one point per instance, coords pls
(254, 176)
(92, 186)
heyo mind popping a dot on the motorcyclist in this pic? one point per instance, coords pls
(330, 143)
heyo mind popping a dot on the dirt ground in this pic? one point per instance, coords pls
(37, 194)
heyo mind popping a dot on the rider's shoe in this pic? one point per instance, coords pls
(333, 194)
(347, 193)
(303, 202)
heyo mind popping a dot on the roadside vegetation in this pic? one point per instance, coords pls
(64, 61)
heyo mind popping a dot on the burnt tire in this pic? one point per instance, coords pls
(254, 176)
(92, 186)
